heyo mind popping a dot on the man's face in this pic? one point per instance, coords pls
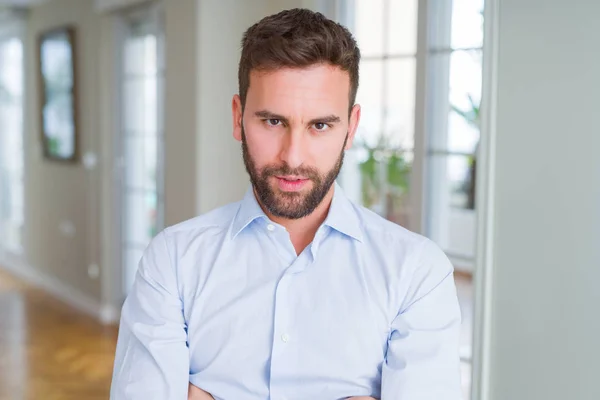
(294, 131)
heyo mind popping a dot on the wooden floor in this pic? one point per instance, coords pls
(49, 351)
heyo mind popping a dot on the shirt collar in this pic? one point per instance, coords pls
(248, 211)
(342, 214)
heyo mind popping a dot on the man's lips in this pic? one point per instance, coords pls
(289, 183)
(292, 178)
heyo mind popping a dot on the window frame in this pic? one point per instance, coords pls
(154, 14)
(13, 25)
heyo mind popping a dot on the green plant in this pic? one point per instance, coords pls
(385, 173)
(54, 146)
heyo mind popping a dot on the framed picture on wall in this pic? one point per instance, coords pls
(58, 94)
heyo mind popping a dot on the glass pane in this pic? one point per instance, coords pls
(134, 59)
(459, 184)
(399, 117)
(16, 201)
(55, 60)
(58, 117)
(134, 162)
(402, 27)
(385, 182)
(370, 97)
(450, 215)
(134, 106)
(467, 23)
(150, 55)
(368, 26)
(150, 104)
(11, 73)
(137, 226)
(150, 164)
(140, 55)
(151, 207)
(465, 97)
(11, 144)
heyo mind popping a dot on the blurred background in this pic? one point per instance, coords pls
(479, 130)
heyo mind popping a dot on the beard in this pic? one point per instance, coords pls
(290, 205)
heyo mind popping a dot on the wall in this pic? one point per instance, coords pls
(181, 109)
(62, 200)
(546, 293)
(69, 195)
(221, 175)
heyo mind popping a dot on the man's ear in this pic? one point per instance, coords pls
(353, 125)
(237, 114)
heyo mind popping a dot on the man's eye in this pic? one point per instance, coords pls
(273, 122)
(320, 126)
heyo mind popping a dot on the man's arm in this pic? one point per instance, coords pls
(152, 358)
(422, 361)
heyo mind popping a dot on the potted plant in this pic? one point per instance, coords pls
(385, 180)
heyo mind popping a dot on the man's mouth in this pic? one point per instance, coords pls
(289, 183)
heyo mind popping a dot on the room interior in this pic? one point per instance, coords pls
(141, 104)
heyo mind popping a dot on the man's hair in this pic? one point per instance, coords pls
(297, 38)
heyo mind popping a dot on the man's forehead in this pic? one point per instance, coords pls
(317, 85)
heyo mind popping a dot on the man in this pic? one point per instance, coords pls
(294, 292)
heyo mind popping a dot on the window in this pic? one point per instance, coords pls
(142, 140)
(378, 169)
(11, 143)
(455, 68)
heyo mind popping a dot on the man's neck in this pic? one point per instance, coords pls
(302, 231)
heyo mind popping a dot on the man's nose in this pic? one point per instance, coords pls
(294, 148)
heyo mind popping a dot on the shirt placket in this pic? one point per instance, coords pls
(284, 335)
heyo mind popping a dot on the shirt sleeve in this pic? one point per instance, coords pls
(422, 360)
(152, 357)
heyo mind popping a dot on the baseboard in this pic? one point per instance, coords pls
(73, 297)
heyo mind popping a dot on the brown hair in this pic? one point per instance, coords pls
(297, 38)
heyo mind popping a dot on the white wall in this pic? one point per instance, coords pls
(546, 287)
(181, 108)
(62, 211)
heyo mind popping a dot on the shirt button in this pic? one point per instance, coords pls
(271, 227)
(285, 338)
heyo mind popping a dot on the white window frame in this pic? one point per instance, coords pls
(13, 25)
(155, 12)
(441, 219)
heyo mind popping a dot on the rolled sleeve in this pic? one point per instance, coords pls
(422, 360)
(152, 357)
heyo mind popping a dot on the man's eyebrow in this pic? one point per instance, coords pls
(269, 115)
(327, 119)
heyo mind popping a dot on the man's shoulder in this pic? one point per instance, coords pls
(384, 231)
(387, 237)
(218, 220)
